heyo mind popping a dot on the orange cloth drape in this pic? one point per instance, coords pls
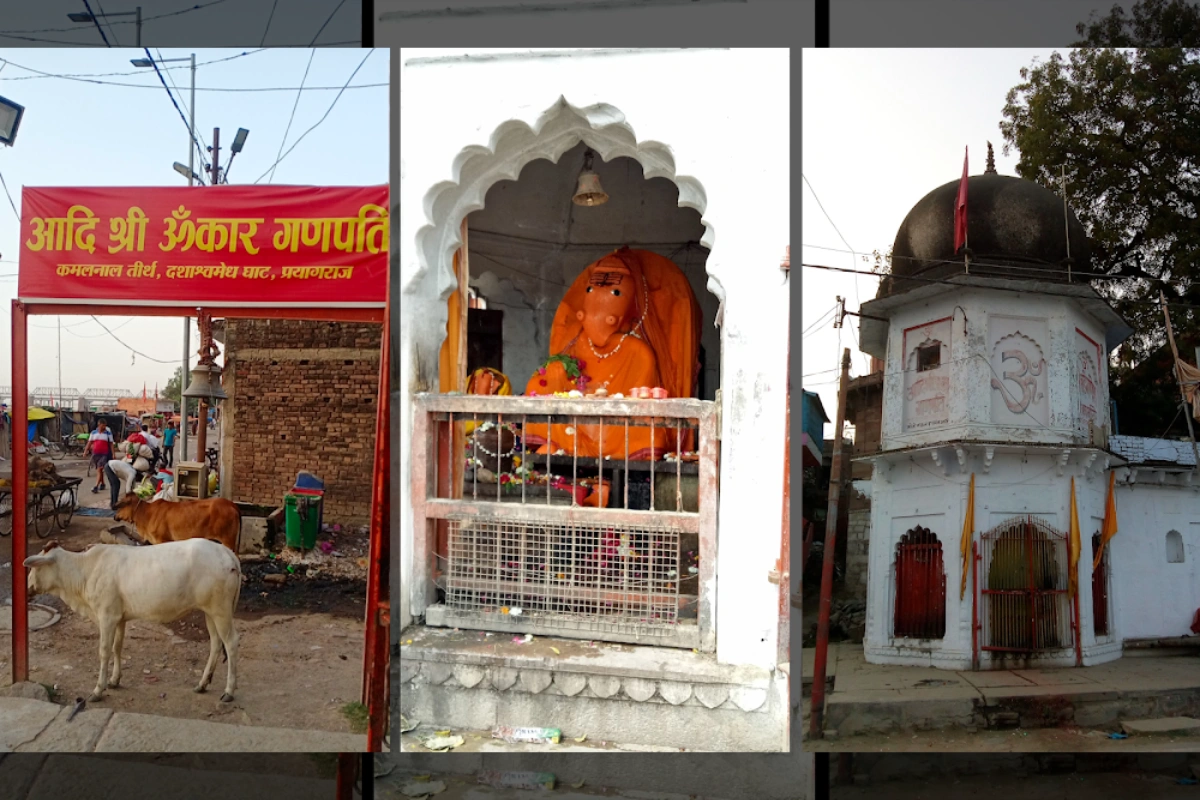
(1110, 520)
(448, 366)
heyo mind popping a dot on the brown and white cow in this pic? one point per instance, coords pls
(159, 521)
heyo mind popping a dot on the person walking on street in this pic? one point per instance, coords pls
(169, 445)
(100, 446)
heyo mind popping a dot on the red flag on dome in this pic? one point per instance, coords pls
(960, 209)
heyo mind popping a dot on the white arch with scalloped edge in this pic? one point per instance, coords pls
(514, 144)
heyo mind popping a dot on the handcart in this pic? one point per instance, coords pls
(50, 506)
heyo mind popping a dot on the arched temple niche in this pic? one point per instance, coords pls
(527, 240)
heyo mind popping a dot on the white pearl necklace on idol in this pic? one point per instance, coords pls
(487, 426)
(632, 331)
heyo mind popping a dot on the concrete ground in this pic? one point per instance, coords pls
(37, 726)
(925, 707)
(228, 776)
(482, 742)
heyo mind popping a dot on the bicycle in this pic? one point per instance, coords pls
(74, 445)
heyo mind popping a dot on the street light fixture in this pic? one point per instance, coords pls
(239, 141)
(148, 62)
(86, 17)
(185, 172)
(10, 120)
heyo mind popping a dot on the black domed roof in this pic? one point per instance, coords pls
(1015, 229)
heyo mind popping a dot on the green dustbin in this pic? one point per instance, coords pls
(303, 520)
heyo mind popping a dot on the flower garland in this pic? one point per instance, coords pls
(572, 366)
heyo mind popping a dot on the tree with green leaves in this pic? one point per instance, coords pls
(1121, 114)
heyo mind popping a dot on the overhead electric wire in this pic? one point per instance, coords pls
(96, 335)
(1018, 290)
(107, 22)
(187, 10)
(186, 124)
(96, 20)
(4, 183)
(822, 318)
(199, 151)
(264, 36)
(339, 89)
(322, 119)
(1033, 270)
(45, 75)
(278, 156)
(327, 20)
(130, 349)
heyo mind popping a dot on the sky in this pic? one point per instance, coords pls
(79, 133)
(881, 129)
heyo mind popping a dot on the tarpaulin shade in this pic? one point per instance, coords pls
(227, 245)
(36, 413)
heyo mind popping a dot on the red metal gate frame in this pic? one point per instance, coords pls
(1032, 592)
(377, 650)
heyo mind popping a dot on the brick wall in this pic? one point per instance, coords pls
(303, 398)
(858, 535)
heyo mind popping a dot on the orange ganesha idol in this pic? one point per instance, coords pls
(629, 320)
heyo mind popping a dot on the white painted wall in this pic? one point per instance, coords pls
(715, 122)
(917, 490)
(974, 409)
(1157, 598)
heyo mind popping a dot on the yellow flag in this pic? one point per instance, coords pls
(1073, 546)
(968, 530)
(1110, 520)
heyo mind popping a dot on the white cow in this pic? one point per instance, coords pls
(112, 584)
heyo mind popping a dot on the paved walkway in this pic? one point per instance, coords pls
(37, 726)
(875, 698)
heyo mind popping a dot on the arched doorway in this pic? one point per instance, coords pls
(920, 610)
(519, 244)
(1025, 595)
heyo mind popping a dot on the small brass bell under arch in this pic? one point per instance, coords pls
(589, 192)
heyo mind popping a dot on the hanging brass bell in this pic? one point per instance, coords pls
(206, 383)
(589, 193)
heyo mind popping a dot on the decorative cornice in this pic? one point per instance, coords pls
(547, 682)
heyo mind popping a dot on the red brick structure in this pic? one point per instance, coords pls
(302, 396)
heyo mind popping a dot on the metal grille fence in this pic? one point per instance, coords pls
(920, 586)
(600, 575)
(620, 546)
(1026, 607)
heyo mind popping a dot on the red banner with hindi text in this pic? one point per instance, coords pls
(218, 245)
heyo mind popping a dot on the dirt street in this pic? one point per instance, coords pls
(300, 659)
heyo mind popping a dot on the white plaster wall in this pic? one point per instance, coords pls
(717, 123)
(975, 409)
(916, 490)
(1156, 598)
